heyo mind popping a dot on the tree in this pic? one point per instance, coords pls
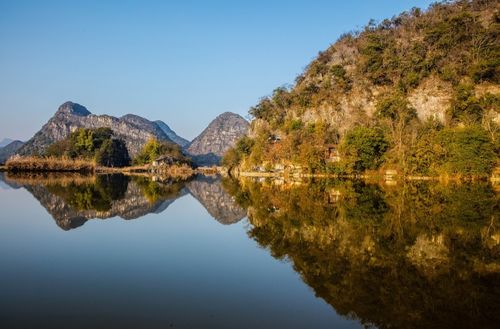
(467, 150)
(155, 148)
(113, 153)
(242, 149)
(92, 144)
(397, 113)
(364, 148)
(465, 106)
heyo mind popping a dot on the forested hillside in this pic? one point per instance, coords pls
(418, 93)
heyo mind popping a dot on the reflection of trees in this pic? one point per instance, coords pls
(96, 195)
(414, 256)
(155, 191)
(74, 199)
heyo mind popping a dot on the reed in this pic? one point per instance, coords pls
(181, 171)
(50, 178)
(39, 164)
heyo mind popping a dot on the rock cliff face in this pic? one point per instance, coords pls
(9, 150)
(220, 135)
(134, 130)
(171, 134)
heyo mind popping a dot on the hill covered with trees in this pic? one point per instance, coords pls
(419, 93)
(92, 144)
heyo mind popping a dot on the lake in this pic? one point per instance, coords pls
(113, 251)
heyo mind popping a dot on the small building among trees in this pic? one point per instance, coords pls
(164, 160)
(332, 153)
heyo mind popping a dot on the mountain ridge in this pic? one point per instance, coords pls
(5, 142)
(10, 149)
(206, 149)
(133, 129)
(220, 135)
(172, 134)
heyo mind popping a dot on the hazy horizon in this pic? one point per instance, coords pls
(180, 63)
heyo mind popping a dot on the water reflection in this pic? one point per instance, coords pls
(219, 203)
(74, 199)
(420, 255)
(415, 255)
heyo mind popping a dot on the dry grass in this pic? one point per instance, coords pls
(38, 164)
(48, 178)
(175, 171)
(181, 171)
(131, 169)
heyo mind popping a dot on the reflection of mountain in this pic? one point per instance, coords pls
(71, 206)
(416, 256)
(4, 185)
(219, 204)
(73, 199)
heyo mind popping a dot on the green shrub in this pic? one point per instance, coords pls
(364, 148)
(155, 148)
(113, 153)
(467, 151)
(465, 106)
(92, 144)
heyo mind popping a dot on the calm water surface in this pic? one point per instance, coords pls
(121, 252)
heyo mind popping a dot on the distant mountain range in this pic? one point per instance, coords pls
(206, 149)
(5, 142)
(8, 150)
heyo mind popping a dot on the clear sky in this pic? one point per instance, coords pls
(182, 62)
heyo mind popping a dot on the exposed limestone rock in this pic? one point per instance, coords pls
(134, 130)
(220, 135)
(431, 99)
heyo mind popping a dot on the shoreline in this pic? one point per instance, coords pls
(182, 171)
(92, 169)
(493, 178)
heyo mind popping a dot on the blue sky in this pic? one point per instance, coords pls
(182, 62)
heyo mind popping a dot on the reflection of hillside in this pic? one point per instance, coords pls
(219, 203)
(72, 200)
(5, 184)
(414, 256)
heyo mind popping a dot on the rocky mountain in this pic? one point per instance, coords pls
(5, 142)
(171, 134)
(9, 150)
(399, 81)
(133, 129)
(220, 135)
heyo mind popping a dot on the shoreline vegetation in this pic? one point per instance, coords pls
(35, 165)
(418, 94)
(53, 165)
(377, 175)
